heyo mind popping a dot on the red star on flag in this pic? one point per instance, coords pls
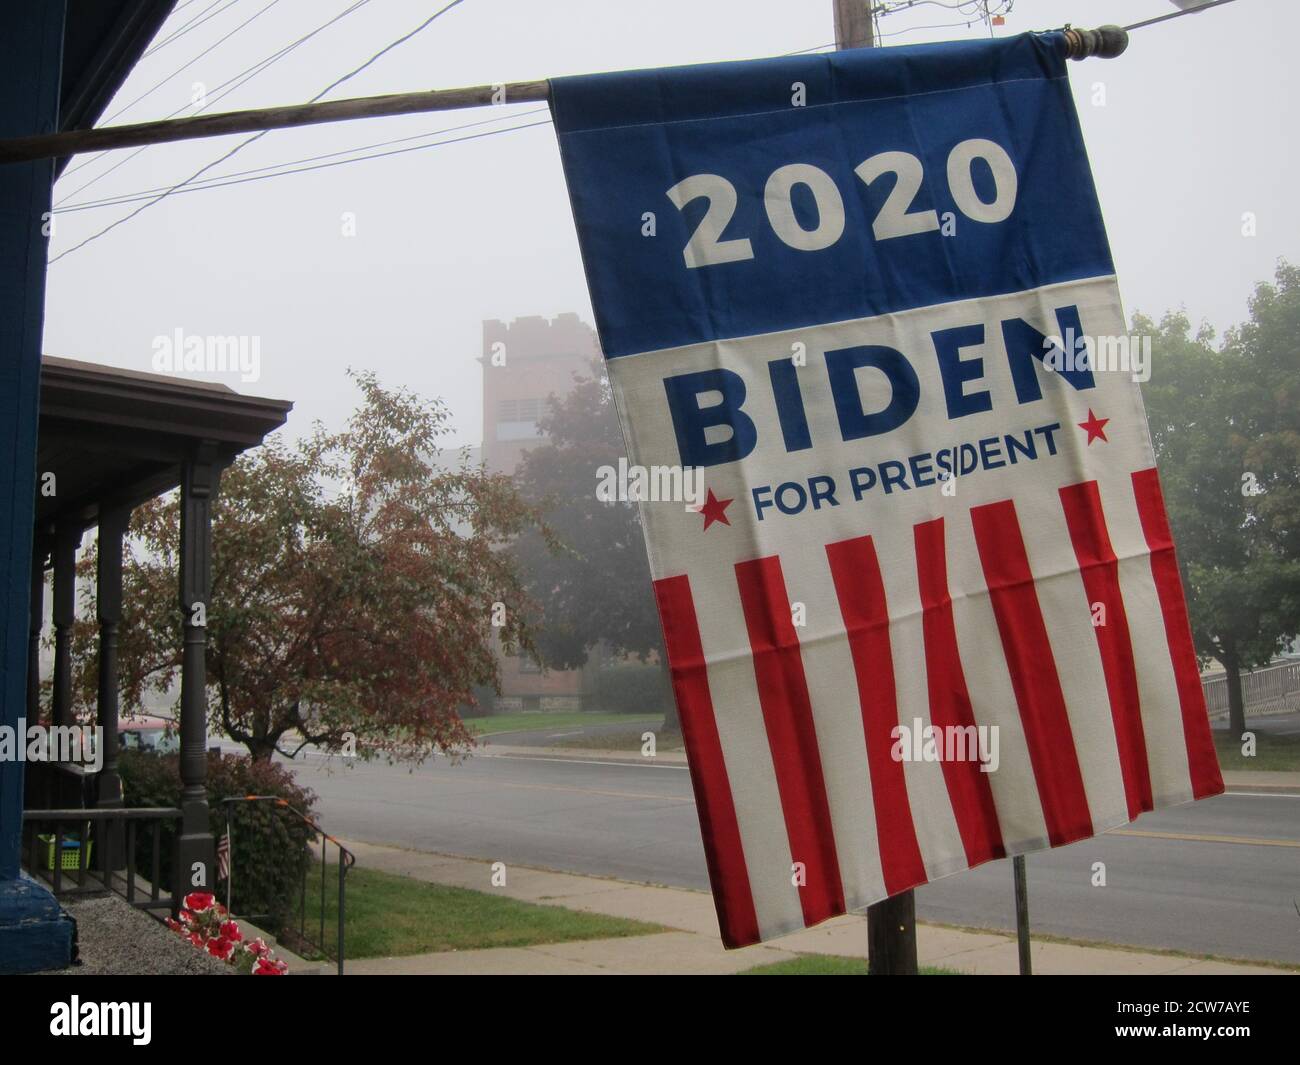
(1095, 428)
(713, 509)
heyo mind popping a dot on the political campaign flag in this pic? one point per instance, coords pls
(926, 612)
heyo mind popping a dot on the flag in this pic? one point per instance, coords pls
(223, 855)
(926, 612)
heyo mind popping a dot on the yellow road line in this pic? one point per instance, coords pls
(1197, 838)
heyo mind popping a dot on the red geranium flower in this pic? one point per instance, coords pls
(266, 967)
(220, 948)
(198, 901)
(230, 932)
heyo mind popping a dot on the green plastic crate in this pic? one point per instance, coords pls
(71, 857)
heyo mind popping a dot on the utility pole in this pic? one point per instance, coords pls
(891, 925)
(853, 24)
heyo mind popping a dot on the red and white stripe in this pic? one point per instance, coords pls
(980, 617)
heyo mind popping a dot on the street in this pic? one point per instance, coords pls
(1217, 877)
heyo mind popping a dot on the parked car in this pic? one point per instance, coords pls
(156, 735)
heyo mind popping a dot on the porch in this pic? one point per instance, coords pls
(110, 440)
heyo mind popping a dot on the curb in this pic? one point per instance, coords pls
(581, 754)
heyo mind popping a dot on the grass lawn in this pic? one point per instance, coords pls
(1276, 753)
(828, 965)
(389, 915)
(626, 741)
(538, 721)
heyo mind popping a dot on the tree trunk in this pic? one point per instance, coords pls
(260, 748)
(1236, 705)
(671, 723)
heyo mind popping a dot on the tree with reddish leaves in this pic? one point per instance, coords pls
(356, 579)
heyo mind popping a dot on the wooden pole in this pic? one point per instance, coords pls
(852, 30)
(891, 925)
(891, 936)
(57, 145)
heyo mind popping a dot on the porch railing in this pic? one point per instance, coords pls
(79, 852)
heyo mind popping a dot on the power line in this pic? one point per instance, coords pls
(387, 48)
(246, 75)
(193, 24)
(966, 7)
(217, 183)
(221, 179)
(975, 11)
(1178, 14)
(256, 136)
(186, 66)
(242, 78)
(805, 51)
(931, 26)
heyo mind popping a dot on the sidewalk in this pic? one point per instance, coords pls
(693, 946)
(1256, 780)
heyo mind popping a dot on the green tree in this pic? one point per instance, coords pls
(353, 584)
(1225, 423)
(598, 588)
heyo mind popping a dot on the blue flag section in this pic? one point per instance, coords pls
(923, 609)
(796, 191)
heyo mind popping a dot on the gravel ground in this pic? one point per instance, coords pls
(116, 939)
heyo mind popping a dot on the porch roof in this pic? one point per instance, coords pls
(119, 437)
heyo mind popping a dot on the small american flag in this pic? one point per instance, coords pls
(223, 855)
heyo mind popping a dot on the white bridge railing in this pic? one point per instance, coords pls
(1271, 689)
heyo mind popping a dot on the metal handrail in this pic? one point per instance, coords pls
(346, 861)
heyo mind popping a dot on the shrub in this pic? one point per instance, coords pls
(484, 703)
(269, 846)
(632, 688)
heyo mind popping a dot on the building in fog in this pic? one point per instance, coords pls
(524, 362)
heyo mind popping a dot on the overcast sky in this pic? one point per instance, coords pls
(1198, 128)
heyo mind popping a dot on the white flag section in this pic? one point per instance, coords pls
(929, 614)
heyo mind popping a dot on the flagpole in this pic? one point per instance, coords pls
(891, 924)
(1107, 42)
(1022, 913)
(230, 860)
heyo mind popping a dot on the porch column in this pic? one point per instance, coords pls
(195, 853)
(67, 538)
(35, 627)
(108, 598)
